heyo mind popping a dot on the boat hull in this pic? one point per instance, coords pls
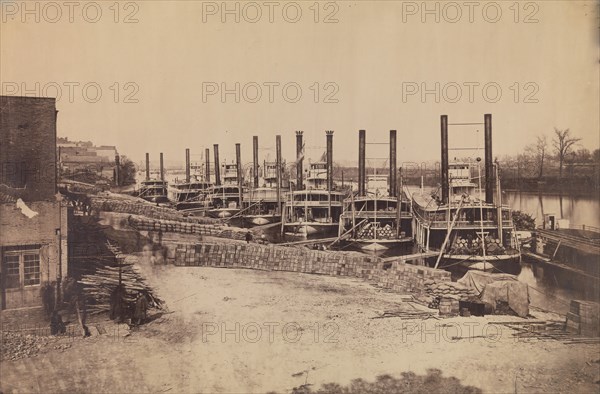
(309, 228)
(505, 263)
(156, 199)
(261, 220)
(222, 213)
(378, 245)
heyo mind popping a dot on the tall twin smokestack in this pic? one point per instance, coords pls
(445, 182)
(299, 160)
(207, 165)
(329, 134)
(488, 159)
(278, 161)
(489, 169)
(162, 168)
(217, 165)
(238, 165)
(393, 170)
(361, 162)
(255, 160)
(147, 166)
(187, 165)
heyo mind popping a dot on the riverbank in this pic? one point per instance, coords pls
(241, 331)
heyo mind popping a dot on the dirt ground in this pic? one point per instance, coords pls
(242, 331)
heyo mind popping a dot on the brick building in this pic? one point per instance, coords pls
(33, 221)
(78, 158)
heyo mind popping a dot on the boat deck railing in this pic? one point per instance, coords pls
(467, 224)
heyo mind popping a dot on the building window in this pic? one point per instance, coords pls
(31, 269)
(12, 278)
(21, 267)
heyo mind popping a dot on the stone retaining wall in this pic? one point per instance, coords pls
(397, 276)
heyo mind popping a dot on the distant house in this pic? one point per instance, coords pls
(33, 221)
(77, 158)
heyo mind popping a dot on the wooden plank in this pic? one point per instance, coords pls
(410, 257)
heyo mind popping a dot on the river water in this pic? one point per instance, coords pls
(580, 210)
(552, 288)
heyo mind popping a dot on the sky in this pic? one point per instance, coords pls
(148, 76)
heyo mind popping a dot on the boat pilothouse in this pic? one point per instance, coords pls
(314, 210)
(225, 199)
(373, 221)
(154, 190)
(262, 205)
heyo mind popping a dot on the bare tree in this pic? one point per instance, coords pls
(562, 142)
(538, 151)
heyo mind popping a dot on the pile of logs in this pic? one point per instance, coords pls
(99, 285)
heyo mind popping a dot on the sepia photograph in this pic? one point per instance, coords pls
(299, 197)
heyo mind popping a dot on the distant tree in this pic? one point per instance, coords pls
(582, 155)
(562, 142)
(538, 152)
(596, 156)
(126, 171)
(523, 221)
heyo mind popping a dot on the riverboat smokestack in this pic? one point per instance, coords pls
(489, 165)
(299, 160)
(445, 182)
(162, 168)
(361, 162)
(187, 165)
(147, 166)
(255, 160)
(329, 134)
(217, 165)
(117, 168)
(207, 164)
(278, 165)
(393, 169)
(238, 165)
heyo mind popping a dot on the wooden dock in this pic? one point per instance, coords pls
(546, 260)
(583, 240)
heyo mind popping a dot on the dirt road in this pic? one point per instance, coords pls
(239, 331)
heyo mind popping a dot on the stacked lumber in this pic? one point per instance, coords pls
(583, 318)
(99, 285)
(546, 330)
(406, 314)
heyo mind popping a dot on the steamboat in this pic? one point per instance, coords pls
(466, 228)
(190, 193)
(376, 221)
(154, 189)
(262, 205)
(314, 210)
(378, 218)
(225, 200)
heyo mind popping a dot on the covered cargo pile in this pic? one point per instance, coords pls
(499, 289)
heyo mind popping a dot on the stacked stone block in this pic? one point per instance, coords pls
(400, 277)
